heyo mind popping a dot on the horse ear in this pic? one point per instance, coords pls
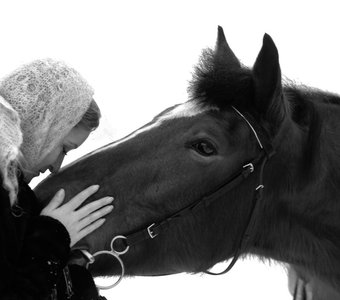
(267, 80)
(223, 53)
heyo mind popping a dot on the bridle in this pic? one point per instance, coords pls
(153, 230)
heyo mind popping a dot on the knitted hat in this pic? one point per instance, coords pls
(50, 99)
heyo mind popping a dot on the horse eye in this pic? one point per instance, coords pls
(204, 148)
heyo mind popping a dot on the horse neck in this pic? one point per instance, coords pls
(299, 221)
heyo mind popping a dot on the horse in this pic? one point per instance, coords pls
(248, 165)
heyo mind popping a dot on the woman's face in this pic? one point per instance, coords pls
(53, 160)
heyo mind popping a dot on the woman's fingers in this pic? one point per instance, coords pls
(91, 222)
(83, 221)
(77, 200)
(87, 230)
(56, 201)
(94, 216)
(93, 206)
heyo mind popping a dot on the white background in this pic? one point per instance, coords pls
(138, 56)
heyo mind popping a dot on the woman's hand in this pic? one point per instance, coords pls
(83, 221)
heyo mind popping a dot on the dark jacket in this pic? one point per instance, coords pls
(34, 250)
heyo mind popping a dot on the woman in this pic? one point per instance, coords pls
(46, 110)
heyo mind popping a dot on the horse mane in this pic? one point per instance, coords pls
(312, 94)
(310, 108)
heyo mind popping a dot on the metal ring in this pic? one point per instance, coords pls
(121, 264)
(119, 252)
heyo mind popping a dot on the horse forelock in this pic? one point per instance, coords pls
(217, 84)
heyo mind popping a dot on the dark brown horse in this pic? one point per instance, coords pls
(199, 156)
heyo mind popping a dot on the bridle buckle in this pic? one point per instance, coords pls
(250, 166)
(150, 231)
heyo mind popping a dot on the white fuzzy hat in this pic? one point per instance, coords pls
(50, 99)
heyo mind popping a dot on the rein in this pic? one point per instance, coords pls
(153, 230)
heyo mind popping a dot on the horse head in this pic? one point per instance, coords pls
(191, 151)
(183, 154)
